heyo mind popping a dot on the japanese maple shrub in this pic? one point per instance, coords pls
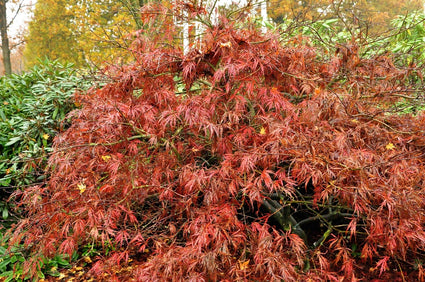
(240, 160)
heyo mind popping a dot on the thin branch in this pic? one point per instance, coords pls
(21, 6)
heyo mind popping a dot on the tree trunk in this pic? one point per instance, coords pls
(4, 38)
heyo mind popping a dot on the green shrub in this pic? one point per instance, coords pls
(33, 108)
(408, 42)
(12, 263)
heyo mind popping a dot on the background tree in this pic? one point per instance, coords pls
(50, 34)
(376, 14)
(4, 26)
(81, 32)
(16, 60)
(4, 38)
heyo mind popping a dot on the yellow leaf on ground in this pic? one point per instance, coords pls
(390, 146)
(88, 259)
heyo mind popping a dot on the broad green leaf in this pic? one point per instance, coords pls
(2, 115)
(5, 213)
(13, 140)
(4, 263)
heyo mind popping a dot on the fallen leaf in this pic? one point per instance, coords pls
(390, 146)
(87, 259)
(81, 187)
(227, 44)
(243, 264)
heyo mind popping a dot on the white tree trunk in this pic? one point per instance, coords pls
(264, 14)
(212, 9)
(185, 33)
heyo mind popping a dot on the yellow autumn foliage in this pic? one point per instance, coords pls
(85, 33)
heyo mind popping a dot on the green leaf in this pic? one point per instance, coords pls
(8, 274)
(5, 213)
(2, 115)
(55, 113)
(4, 263)
(61, 261)
(40, 275)
(13, 259)
(13, 140)
(5, 181)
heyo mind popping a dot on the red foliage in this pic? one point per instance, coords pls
(271, 165)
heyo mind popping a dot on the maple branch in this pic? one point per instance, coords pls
(278, 196)
(165, 141)
(199, 19)
(329, 216)
(323, 238)
(317, 79)
(207, 83)
(260, 42)
(212, 9)
(57, 150)
(285, 221)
